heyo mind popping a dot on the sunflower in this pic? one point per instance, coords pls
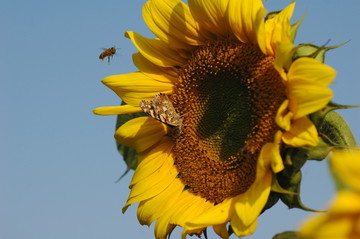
(341, 221)
(345, 165)
(229, 74)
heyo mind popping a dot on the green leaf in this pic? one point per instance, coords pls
(130, 155)
(287, 235)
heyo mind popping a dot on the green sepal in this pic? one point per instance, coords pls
(276, 187)
(333, 129)
(281, 181)
(313, 51)
(290, 178)
(320, 151)
(272, 200)
(129, 154)
(334, 132)
(334, 106)
(295, 159)
(230, 230)
(276, 190)
(294, 28)
(318, 117)
(287, 235)
(204, 232)
(271, 15)
(293, 200)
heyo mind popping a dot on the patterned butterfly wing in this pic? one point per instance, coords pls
(161, 108)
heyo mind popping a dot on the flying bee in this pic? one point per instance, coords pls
(109, 53)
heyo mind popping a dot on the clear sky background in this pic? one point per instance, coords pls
(58, 161)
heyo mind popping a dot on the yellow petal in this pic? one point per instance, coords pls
(163, 229)
(162, 74)
(217, 215)
(346, 165)
(158, 207)
(323, 226)
(153, 185)
(117, 110)
(260, 30)
(150, 175)
(346, 201)
(141, 133)
(274, 148)
(221, 230)
(278, 29)
(196, 232)
(188, 207)
(136, 86)
(153, 159)
(307, 86)
(172, 22)
(245, 18)
(156, 51)
(249, 205)
(240, 229)
(283, 57)
(303, 132)
(211, 15)
(341, 221)
(283, 116)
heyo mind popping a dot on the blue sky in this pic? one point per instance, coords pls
(58, 161)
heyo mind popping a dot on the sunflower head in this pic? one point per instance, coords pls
(227, 97)
(229, 105)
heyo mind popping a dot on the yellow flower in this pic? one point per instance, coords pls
(342, 221)
(346, 166)
(228, 73)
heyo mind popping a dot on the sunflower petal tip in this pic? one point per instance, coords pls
(126, 34)
(124, 209)
(96, 111)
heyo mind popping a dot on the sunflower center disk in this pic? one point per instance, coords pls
(228, 95)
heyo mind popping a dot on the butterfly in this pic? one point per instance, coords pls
(161, 109)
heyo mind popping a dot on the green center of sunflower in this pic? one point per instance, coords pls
(228, 95)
